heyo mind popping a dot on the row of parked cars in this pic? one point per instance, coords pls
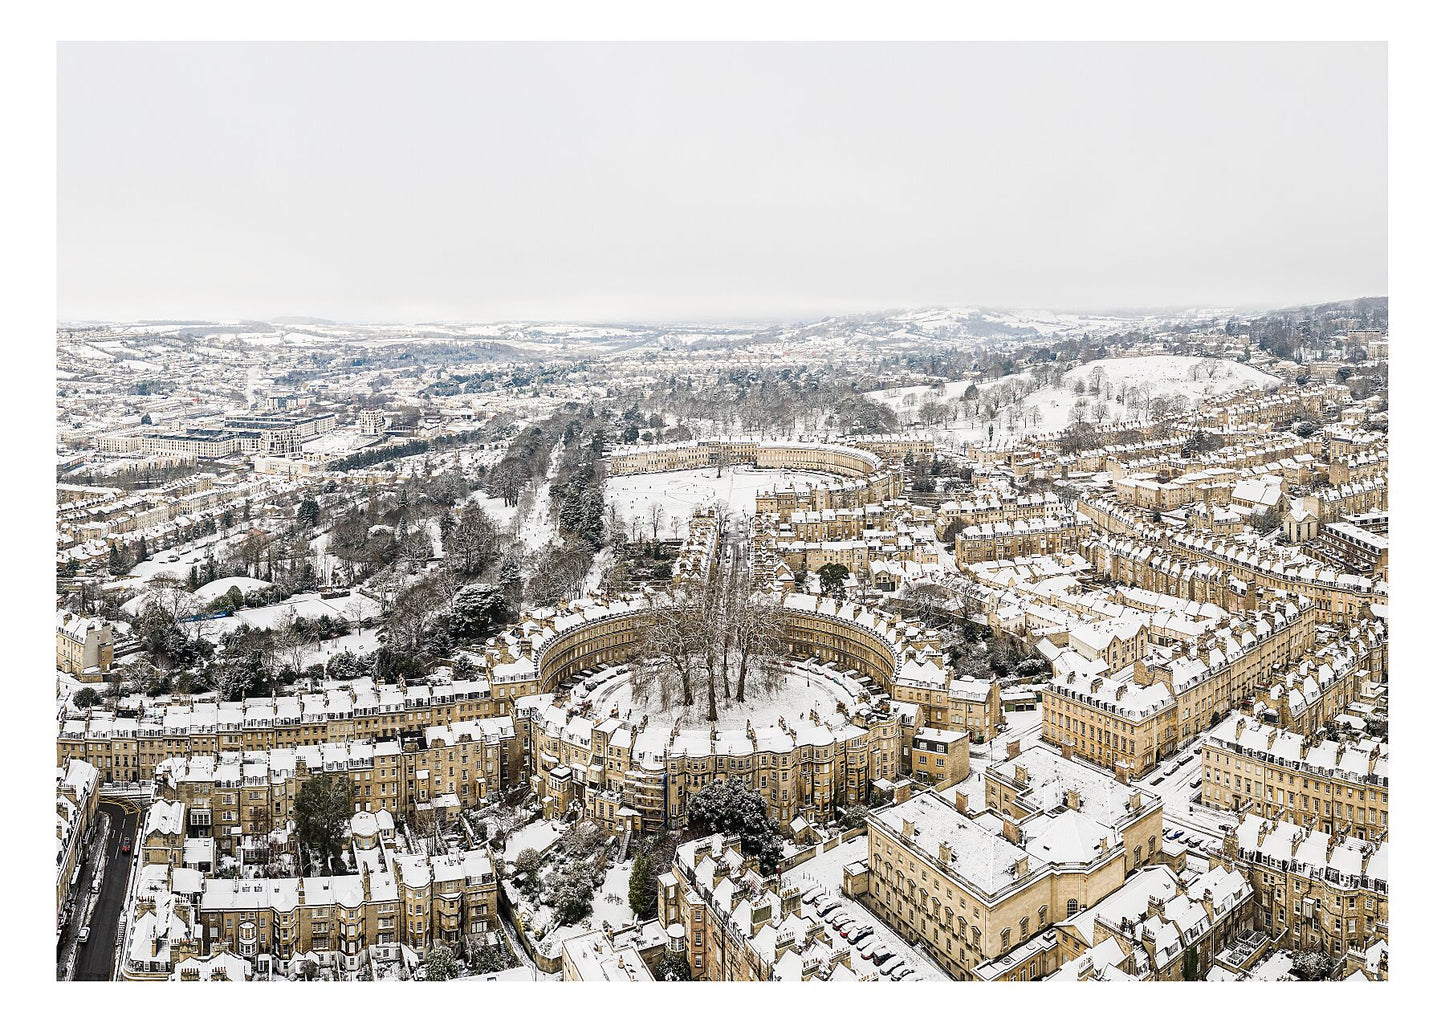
(1197, 841)
(855, 928)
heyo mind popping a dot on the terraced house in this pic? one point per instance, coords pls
(1338, 787)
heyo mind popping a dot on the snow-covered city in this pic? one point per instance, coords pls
(651, 659)
(948, 641)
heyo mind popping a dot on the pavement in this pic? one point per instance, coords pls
(95, 959)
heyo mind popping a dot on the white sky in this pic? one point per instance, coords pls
(709, 181)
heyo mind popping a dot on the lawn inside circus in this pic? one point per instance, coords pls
(797, 693)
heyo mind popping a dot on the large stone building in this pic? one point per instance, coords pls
(84, 646)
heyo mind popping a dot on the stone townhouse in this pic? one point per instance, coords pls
(130, 748)
(1312, 889)
(1157, 927)
(1132, 718)
(240, 798)
(734, 925)
(1337, 787)
(1020, 538)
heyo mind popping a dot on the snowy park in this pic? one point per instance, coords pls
(1049, 409)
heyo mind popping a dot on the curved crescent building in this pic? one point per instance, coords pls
(642, 773)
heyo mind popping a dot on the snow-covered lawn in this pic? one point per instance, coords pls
(799, 693)
(364, 641)
(221, 586)
(609, 906)
(178, 563)
(305, 606)
(680, 493)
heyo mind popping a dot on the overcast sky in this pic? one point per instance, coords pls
(708, 181)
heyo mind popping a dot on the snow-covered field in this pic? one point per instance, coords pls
(1048, 409)
(680, 493)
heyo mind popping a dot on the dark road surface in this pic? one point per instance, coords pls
(96, 957)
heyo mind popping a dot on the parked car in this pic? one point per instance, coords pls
(890, 967)
(1196, 782)
(859, 934)
(811, 895)
(84, 934)
(907, 970)
(882, 955)
(825, 909)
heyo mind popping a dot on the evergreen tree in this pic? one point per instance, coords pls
(308, 513)
(642, 888)
(733, 808)
(323, 808)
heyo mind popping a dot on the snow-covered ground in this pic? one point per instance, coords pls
(799, 693)
(826, 869)
(1048, 409)
(537, 529)
(304, 606)
(208, 592)
(680, 493)
(175, 562)
(497, 510)
(537, 834)
(364, 641)
(609, 907)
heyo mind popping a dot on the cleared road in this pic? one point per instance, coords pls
(96, 957)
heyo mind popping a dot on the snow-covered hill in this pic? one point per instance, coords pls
(1024, 407)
